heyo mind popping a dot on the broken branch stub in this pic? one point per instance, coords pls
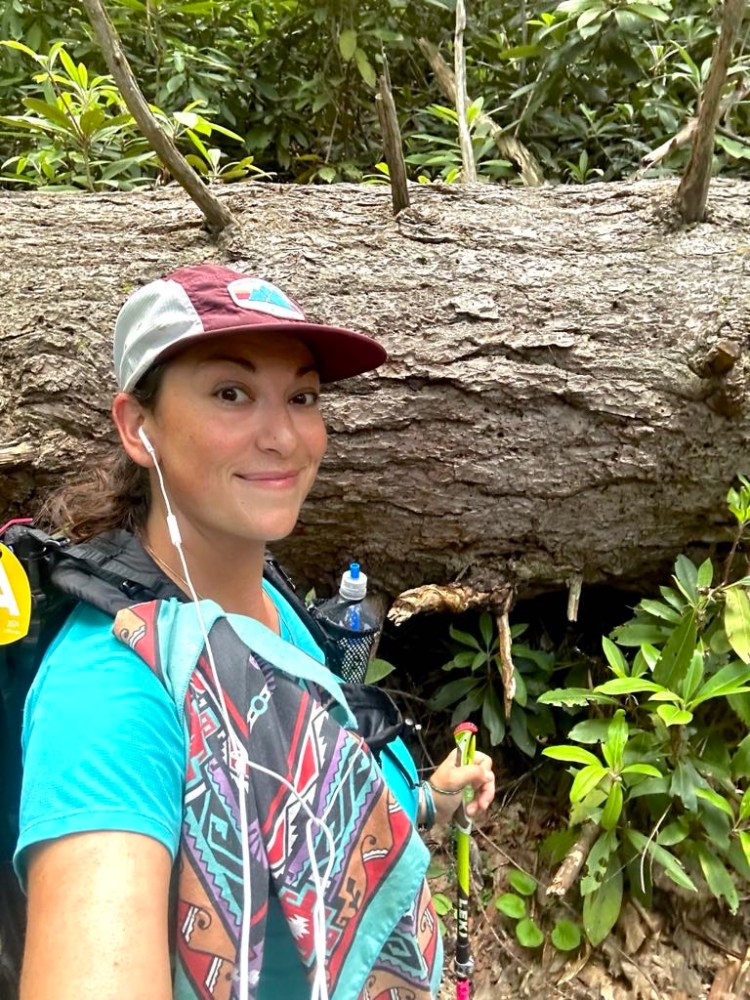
(692, 193)
(218, 218)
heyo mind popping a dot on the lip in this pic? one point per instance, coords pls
(270, 480)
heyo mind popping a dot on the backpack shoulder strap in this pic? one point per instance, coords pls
(112, 571)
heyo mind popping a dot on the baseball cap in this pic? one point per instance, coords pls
(208, 300)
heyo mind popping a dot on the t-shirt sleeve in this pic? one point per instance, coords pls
(103, 744)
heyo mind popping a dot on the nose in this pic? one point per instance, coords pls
(277, 431)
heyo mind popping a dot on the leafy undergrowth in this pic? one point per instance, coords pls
(679, 949)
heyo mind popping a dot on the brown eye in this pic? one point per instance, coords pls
(309, 398)
(232, 394)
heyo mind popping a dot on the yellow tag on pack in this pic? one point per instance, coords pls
(15, 598)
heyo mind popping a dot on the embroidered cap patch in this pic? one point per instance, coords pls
(262, 296)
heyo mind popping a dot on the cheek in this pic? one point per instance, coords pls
(321, 441)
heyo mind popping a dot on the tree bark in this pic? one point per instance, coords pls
(550, 406)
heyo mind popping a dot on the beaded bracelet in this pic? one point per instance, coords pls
(426, 807)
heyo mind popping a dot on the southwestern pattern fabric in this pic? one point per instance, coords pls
(342, 826)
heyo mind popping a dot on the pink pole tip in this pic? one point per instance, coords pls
(465, 727)
(463, 989)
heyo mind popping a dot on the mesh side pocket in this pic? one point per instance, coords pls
(347, 651)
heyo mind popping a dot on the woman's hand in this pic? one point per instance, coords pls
(449, 779)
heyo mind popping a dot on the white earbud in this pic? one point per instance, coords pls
(146, 443)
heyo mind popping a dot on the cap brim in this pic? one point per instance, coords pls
(339, 353)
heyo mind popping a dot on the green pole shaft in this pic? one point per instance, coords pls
(465, 736)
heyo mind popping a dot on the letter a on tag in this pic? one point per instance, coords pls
(15, 598)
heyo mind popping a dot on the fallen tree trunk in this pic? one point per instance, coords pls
(555, 404)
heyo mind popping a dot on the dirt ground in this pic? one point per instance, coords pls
(680, 950)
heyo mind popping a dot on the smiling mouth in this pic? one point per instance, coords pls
(270, 479)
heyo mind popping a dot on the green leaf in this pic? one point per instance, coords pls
(636, 633)
(566, 936)
(709, 795)
(627, 685)
(602, 907)
(744, 812)
(347, 44)
(741, 760)
(377, 670)
(740, 705)
(522, 882)
(92, 120)
(731, 679)
(675, 658)
(586, 781)
(744, 839)
(659, 610)
(441, 903)
(590, 731)
(453, 691)
(486, 628)
(685, 784)
(615, 659)
(694, 676)
(572, 755)
(737, 150)
(597, 861)
(519, 730)
(737, 622)
(12, 44)
(365, 68)
(705, 574)
(613, 808)
(528, 933)
(70, 67)
(674, 716)
(617, 738)
(673, 833)
(719, 880)
(465, 638)
(569, 697)
(672, 867)
(593, 13)
(672, 597)
(686, 575)
(647, 769)
(648, 11)
(51, 112)
(492, 716)
(478, 660)
(511, 905)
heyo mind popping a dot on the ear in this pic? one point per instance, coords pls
(129, 416)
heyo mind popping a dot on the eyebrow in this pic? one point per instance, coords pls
(249, 366)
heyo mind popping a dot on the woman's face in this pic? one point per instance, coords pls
(239, 436)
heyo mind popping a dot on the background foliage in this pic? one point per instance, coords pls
(588, 85)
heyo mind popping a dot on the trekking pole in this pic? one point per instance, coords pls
(465, 735)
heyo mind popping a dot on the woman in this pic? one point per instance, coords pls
(219, 376)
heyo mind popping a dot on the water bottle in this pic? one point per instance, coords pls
(352, 621)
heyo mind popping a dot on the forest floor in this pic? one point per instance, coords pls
(681, 949)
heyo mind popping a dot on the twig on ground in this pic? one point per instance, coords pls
(573, 862)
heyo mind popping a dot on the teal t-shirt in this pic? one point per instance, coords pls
(104, 749)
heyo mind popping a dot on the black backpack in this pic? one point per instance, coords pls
(112, 572)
